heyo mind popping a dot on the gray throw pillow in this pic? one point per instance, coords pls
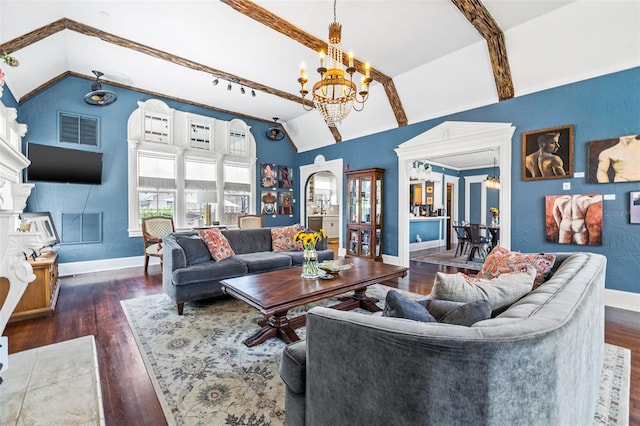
(468, 314)
(501, 291)
(398, 306)
(195, 250)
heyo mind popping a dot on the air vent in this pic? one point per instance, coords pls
(78, 129)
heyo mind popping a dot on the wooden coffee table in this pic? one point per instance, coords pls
(275, 293)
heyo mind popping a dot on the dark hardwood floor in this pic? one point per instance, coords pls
(90, 304)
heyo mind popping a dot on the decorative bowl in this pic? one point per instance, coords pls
(332, 267)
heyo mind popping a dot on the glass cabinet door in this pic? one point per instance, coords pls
(353, 242)
(366, 241)
(365, 201)
(378, 199)
(353, 200)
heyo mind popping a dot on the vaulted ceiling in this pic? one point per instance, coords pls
(429, 58)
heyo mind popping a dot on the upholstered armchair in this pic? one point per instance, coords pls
(153, 229)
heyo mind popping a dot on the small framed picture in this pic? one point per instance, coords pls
(285, 177)
(547, 153)
(429, 189)
(268, 175)
(614, 160)
(285, 203)
(429, 200)
(634, 207)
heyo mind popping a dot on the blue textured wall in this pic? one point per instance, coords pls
(428, 230)
(40, 114)
(599, 108)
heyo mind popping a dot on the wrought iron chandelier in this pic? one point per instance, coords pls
(334, 95)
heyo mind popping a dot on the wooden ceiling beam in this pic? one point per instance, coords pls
(68, 24)
(481, 19)
(266, 18)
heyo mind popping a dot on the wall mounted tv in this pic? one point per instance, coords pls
(55, 164)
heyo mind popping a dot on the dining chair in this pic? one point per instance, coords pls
(479, 244)
(250, 221)
(153, 229)
(463, 239)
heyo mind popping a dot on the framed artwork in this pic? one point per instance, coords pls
(547, 153)
(574, 219)
(634, 207)
(429, 189)
(614, 160)
(43, 223)
(429, 200)
(268, 175)
(269, 202)
(285, 177)
(285, 203)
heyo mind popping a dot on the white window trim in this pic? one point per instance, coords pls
(179, 145)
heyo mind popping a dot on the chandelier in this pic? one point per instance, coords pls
(334, 95)
(493, 182)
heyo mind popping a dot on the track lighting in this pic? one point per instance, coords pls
(215, 82)
(253, 93)
(242, 90)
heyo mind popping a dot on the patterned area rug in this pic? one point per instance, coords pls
(449, 258)
(204, 374)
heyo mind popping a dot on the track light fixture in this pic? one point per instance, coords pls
(229, 86)
(215, 82)
(253, 93)
(242, 90)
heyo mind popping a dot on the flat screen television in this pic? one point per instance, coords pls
(55, 164)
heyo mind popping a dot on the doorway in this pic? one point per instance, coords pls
(452, 139)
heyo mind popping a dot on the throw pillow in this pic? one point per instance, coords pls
(195, 250)
(398, 306)
(501, 261)
(468, 314)
(501, 291)
(282, 238)
(217, 243)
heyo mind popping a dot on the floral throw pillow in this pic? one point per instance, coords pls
(217, 243)
(501, 261)
(282, 238)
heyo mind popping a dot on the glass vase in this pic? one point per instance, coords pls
(310, 263)
(495, 221)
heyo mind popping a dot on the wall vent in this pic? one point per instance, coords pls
(79, 228)
(78, 129)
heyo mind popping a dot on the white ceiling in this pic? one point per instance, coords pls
(437, 60)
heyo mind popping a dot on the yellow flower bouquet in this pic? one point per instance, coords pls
(309, 239)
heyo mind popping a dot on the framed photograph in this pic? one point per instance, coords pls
(614, 160)
(43, 223)
(429, 189)
(574, 219)
(268, 175)
(429, 200)
(634, 207)
(285, 202)
(547, 153)
(285, 177)
(269, 203)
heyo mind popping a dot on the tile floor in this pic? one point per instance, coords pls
(57, 384)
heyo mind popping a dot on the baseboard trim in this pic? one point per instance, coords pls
(622, 300)
(90, 266)
(612, 298)
(422, 245)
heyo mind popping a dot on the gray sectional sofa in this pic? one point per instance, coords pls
(189, 274)
(537, 363)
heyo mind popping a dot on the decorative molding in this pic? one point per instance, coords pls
(452, 137)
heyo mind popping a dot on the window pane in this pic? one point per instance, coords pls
(237, 143)
(235, 204)
(200, 136)
(238, 173)
(156, 204)
(196, 169)
(156, 165)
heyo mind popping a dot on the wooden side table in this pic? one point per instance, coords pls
(41, 295)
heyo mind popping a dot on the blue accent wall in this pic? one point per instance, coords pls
(40, 113)
(428, 230)
(599, 108)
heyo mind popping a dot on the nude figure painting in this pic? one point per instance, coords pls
(614, 160)
(547, 153)
(574, 219)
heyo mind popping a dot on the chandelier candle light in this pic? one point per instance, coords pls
(334, 95)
